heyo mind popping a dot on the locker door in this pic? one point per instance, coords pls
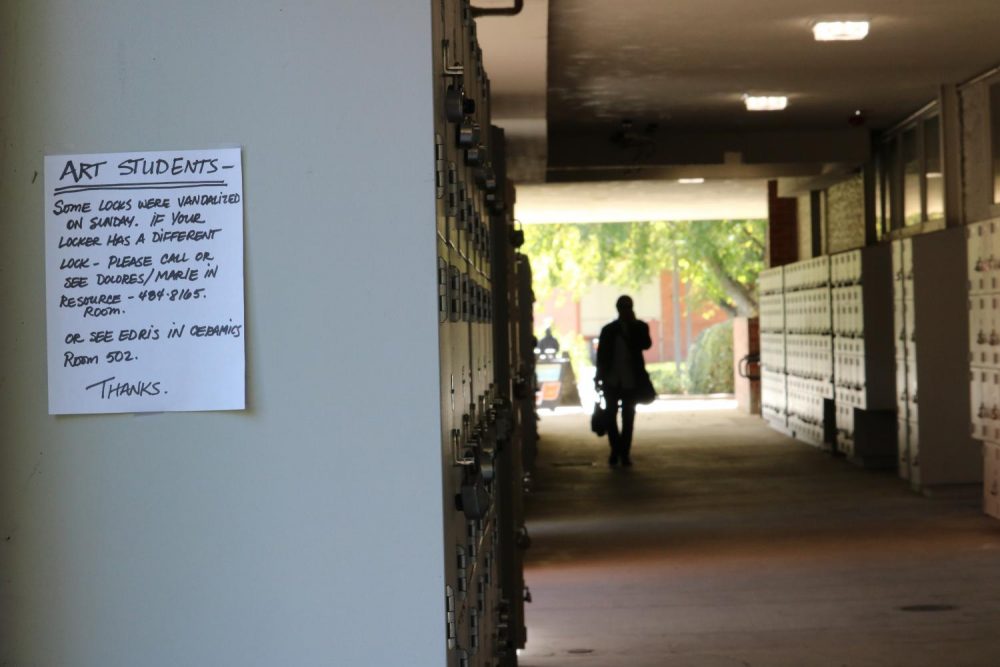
(903, 446)
(902, 391)
(991, 414)
(977, 403)
(990, 318)
(991, 479)
(899, 330)
(912, 395)
(977, 240)
(913, 447)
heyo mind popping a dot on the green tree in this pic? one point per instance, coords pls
(720, 259)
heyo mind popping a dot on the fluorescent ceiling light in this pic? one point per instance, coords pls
(935, 174)
(690, 181)
(765, 103)
(840, 31)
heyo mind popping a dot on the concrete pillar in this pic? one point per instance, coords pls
(746, 341)
(307, 529)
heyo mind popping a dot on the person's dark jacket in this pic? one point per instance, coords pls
(637, 339)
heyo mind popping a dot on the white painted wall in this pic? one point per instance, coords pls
(307, 529)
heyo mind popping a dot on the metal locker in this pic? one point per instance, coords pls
(978, 401)
(897, 261)
(907, 259)
(903, 440)
(902, 392)
(978, 240)
(910, 327)
(990, 390)
(991, 479)
(913, 451)
(979, 349)
(912, 389)
(899, 329)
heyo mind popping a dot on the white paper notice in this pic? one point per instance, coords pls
(144, 281)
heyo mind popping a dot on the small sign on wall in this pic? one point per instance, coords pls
(144, 281)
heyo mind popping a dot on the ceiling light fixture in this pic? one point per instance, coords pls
(690, 181)
(765, 102)
(840, 31)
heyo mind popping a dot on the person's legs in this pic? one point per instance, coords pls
(612, 399)
(628, 424)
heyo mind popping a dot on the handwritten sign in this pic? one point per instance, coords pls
(144, 281)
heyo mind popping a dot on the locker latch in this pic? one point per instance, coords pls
(452, 625)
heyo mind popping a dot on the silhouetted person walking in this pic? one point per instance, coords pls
(621, 372)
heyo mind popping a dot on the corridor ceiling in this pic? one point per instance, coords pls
(652, 89)
(686, 63)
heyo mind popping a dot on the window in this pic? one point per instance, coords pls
(910, 186)
(933, 174)
(882, 207)
(890, 192)
(912, 201)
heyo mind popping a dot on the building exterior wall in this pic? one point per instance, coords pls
(560, 311)
(692, 322)
(653, 303)
(597, 306)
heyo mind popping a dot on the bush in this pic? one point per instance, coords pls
(710, 364)
(667, 378)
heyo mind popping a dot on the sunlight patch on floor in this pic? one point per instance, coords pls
(672, 404)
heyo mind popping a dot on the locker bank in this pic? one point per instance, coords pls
(367, 506)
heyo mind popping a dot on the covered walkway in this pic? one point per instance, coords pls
(728, 544)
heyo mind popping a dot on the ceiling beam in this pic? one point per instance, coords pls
(729, 151)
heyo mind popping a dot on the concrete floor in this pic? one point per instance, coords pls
(728, 544)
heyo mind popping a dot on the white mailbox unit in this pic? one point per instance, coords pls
(862, 355)
(773, 381)
(983, 262)
(797, 348)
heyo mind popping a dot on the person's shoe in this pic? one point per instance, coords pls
(613, 460)
(626, 461)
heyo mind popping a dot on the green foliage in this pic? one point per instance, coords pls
(579, 355)
(711, 360)
(668, 378)
(720, 259)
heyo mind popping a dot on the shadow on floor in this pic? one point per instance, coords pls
(729, 544)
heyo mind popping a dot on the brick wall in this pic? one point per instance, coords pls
(782, 229)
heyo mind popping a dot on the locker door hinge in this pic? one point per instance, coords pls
(461, 566)
(443, 295)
